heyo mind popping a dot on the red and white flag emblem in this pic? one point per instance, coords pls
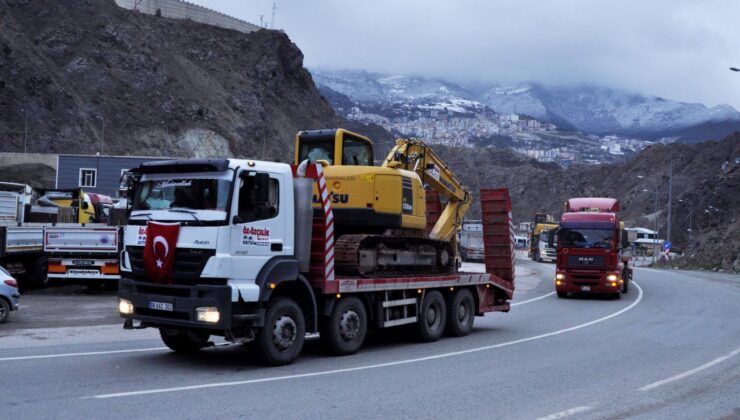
(159, 251)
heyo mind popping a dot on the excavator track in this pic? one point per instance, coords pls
(392, 256)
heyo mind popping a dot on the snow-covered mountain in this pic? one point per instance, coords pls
(602, 110)
(589, 109)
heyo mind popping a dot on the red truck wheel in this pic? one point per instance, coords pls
(432, 317)
(344, 331)
(460, 313)
(281, 340)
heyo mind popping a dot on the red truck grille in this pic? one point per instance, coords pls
(586, 261)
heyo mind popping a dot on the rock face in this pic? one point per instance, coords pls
(86, 72)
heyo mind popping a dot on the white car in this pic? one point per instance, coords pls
(8, 295)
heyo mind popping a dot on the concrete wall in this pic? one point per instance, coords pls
(7, 159)
(178, 9)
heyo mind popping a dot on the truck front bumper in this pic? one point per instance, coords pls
(588, 283)
(183, 300)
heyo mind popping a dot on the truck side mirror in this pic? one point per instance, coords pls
(625, 239)
(85, 206)
(551, 238)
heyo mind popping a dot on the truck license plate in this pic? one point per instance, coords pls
(83, 262)
(586, 288)
(161, 306)
(82, 272)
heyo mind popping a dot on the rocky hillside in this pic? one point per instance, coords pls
(706, 179)
(85, 72)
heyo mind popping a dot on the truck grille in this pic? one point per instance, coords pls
(186, 269)
(596, 261)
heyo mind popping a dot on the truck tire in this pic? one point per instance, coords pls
(344, 331)
(460, 313)
(281, 340)
(4, 310)
(37, 272)
(432, 317)
(185, 342)
(617, 296)
(626, 285)
(562, 295)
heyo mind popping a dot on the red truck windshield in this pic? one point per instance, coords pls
(586, 237)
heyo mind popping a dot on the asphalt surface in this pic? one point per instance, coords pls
(670, 349)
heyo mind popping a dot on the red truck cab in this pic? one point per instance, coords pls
(592, 249)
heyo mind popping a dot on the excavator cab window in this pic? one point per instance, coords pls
(317, 149)
(357, 153)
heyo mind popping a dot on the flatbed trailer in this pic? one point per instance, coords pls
(297, 292)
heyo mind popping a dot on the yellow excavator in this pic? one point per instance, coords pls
(380, 211)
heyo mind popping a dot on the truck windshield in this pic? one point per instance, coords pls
(182, 193)
(586, 238)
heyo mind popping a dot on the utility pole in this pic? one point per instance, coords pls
(25, 135)
(272, 22)
(670, 191)
(655, 238)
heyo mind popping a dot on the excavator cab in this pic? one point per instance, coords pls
(333, 148)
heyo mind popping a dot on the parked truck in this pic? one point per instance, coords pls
(36, 247)
(233, 248)
(88, 253)
(593, 249)
(471, 241)
(538, 250)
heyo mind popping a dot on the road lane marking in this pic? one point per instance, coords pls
(89, 353)
(691, 372)
(532, 300)
(373, 366)
(566, 413)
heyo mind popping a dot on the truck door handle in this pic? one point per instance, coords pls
(276, 246)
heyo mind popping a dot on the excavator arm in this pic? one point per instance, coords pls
(414, 155)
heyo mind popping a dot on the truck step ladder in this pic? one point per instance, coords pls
(399, 308)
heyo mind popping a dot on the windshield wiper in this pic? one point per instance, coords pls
(190, 212)
(143, 214)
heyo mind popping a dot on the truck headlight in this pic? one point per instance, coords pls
(208, 314)
(125, 307)
(611, 277)
(560, 276)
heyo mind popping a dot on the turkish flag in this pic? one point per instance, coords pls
(159, 251)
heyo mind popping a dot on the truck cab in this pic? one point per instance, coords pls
(234, 247)
(592, 249)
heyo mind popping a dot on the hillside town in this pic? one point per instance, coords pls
(526, 136)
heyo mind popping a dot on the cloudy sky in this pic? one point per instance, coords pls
(671, 48)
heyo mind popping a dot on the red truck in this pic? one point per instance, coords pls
(593, 249)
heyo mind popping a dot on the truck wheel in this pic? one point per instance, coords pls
(37, 272)
(460, 313)
(4, 310)
(432, 317)
(626, 286)
(617, 296)
(344, 331)
(281, 340)
(562, 295)
(183, 341)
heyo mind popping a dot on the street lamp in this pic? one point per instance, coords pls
(691, 213)
(655, 220)
(102, 132)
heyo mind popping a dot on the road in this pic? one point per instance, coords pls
(670, 348)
